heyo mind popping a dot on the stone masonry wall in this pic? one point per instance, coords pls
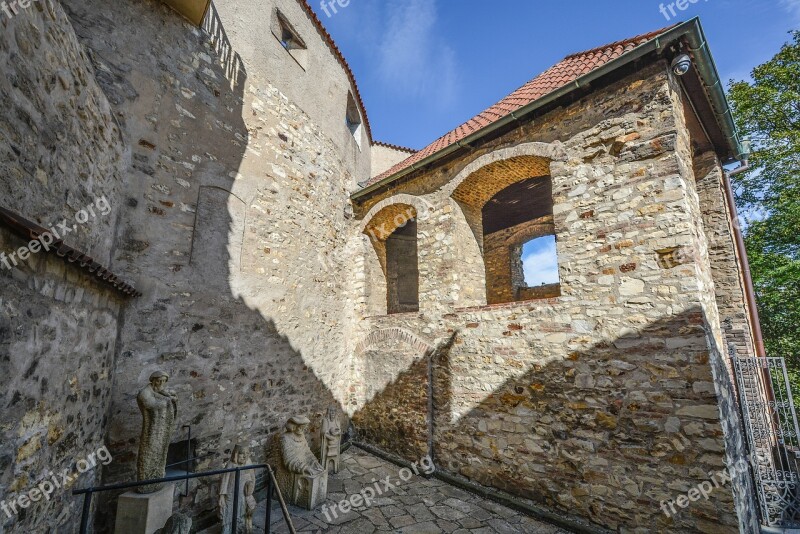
(233, 224)
(728, 282)
(603, 402)
(228, 169)
(61, 152)
(719, 295)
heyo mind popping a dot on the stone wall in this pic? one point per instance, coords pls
(228, 170)
(61, 153)
(385, 157)
(233, 222)
(395, 378)
(728, 331)
(608, 399)
(728, 282)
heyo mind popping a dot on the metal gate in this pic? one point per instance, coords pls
(774, 438)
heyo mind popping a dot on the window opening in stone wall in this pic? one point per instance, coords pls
(519, 243)
(538, 260)
(402, 270)
(289, 38)
(352, 118)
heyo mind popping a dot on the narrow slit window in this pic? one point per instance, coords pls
(352, 118)
(289, 38)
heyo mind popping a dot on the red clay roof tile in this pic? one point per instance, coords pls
(567, 71)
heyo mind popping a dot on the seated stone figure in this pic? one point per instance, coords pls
(301, 478)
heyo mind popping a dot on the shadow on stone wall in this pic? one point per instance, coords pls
(179, 95)
(603, 434)
(396, 419)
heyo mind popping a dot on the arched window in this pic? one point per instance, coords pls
(393, 233)
(509, 204)
(402, 270)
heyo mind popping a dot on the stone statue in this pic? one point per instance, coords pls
(331, 442)
(247, 502)
(177, 524)
(159, 409)
(301, 478)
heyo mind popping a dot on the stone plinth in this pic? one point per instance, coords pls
(139, 513)
(309, 492)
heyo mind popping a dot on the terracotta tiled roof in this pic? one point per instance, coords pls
(338, 53)
(31, 231)
(567, 71)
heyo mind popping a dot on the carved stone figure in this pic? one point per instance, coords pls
(247, 502)
(177, 524)
(331, 442)
(301, 478)
(159, 409)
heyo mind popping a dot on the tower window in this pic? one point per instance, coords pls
(289, 38)
(352, 118)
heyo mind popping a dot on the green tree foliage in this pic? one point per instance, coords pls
(768, 111)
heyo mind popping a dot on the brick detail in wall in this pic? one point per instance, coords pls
(486, 182)
(394, 334)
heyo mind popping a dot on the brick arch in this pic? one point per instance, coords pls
(516, 173)
(483, 184)
(389, 219)
(421, 207)
(501, 168)
(402, 335)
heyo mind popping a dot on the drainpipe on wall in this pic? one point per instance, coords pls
(744, 262)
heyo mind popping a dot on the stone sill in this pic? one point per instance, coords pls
(506, 305)
(515, 304)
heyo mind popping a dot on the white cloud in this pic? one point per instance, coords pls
(792, 6)
(541, 264)
(414, 60)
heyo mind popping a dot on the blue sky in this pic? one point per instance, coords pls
(426, 66)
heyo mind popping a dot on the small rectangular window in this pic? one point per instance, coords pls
(352, 118)
(289, 38)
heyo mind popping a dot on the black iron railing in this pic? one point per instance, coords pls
(272, 485)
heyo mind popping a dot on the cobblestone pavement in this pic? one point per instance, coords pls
(419, 506)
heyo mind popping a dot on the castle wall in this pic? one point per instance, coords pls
(228, 169)
(233, 222)
(61, 155)
(603, 402)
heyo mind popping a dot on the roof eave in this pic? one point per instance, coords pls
(691, 29)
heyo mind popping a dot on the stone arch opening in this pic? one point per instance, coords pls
(507, 203)
(393, 234)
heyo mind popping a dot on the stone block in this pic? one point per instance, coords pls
(144, 513)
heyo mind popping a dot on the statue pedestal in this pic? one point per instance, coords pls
(309, 492)
(144, 513)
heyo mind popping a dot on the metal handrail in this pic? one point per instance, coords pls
(272, 485)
